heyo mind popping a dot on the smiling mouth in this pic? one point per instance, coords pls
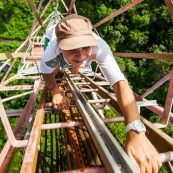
(77, 61)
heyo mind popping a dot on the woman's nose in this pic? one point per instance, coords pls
(80, 52)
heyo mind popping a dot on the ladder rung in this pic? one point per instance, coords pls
(99, 101)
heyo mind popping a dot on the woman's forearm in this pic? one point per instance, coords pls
(126, 101)
(49, 79)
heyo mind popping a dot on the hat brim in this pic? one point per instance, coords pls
(77, 42)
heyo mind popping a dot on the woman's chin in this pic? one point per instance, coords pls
(83, 65)
(80, 65)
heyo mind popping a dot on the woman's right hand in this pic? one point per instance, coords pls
(59, 100)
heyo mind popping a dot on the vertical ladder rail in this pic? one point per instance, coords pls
(111, 153)
(31, 153)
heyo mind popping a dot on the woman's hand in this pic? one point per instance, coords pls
(59, 99)
(142, 153)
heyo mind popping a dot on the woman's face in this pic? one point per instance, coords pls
(77, 57)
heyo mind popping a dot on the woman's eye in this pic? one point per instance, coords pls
(71, 51)
(86, 48)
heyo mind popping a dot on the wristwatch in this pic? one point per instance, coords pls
(136, 125)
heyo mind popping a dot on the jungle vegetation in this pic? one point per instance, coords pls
(146, 27)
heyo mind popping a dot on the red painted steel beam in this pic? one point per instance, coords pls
(168, 104)
(34, 21)
(19, 77)
(31, 153)
(8, 151)
(156, 85)
(169, 4)
(13, 141)
(77, 123)
(71, 6)
(155, 109)
(16, 87)
(168, 56)
(32, 6)
(65, 6)
(118, 12)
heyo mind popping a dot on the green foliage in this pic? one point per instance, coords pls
(53, 144)
(12, 27)
(138, 38)
(3, 137)
(146, 27)
(158, 49)
(141, 21)
(169, 130)
(103, 11)
(94, 11)
(15, 167)
(16, 19)
(112, 33)
(123, 2)
(121, 63)
(141, 76)
(9, 47)
(118, 128)
(16, 164)
(1, 6)
(87, 10)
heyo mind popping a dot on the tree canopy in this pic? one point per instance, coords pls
(146, 27)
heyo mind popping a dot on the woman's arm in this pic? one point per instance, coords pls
(126, 101)
(59, 100)
(138, 147)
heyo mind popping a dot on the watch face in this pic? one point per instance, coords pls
(138, 125)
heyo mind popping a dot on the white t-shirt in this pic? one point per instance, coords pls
(50, 32)
(53, 58)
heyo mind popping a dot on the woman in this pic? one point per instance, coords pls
(74, 47)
